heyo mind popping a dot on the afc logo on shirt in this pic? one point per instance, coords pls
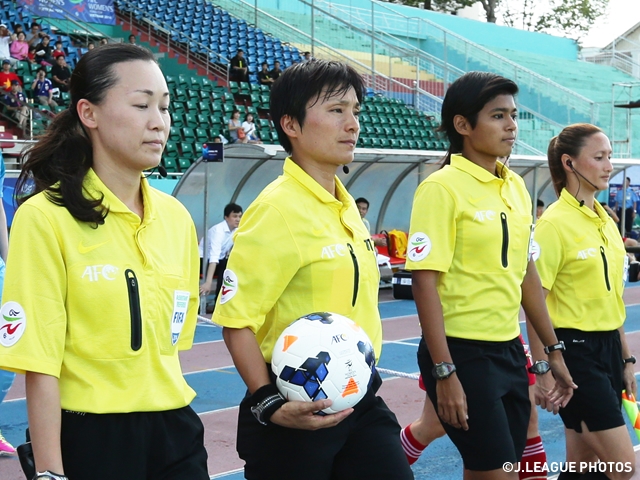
(95, 272)
(482, 215)
(586, 253)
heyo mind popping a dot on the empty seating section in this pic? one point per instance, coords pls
(214, 28)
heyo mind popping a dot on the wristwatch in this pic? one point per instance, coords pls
(540, 367)
(552, 348)
(631, 359)
(47, 475)
(443, 370)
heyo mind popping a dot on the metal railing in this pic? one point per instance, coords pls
(458, 49)
(380, 82)
(621, 60)
(194, 51)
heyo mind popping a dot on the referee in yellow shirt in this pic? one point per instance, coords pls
(468, 250)
(301, 247)
(102, 285)
(583, 269)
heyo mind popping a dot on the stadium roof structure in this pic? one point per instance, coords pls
(387, 178)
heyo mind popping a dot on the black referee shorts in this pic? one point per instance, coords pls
(165, 445)
(364, 446)
(495, 382)
(594, 360)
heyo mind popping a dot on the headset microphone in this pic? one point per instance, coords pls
(162, 171)
(345, 169)
(570, 165)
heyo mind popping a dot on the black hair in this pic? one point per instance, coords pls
(58, 163)
(246, 115)
(58, 42)
(467, 96)
(568, 142)
(540, 203)
(240, 50)
(362, 200)
(305, 82)
(232, 208)
(42, 69)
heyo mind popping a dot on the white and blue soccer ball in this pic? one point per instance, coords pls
(324, 355)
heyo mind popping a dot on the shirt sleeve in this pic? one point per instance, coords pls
(550, 255)
(263, 261)
(36, 283)
(215, 244)
(432, 234)
(186, 338)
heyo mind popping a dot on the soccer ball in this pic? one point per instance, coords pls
(324, 355)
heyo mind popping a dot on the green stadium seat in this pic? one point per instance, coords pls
(203, 120)
(191, 106)
(204, 107)
(170, 164)
(184, 164)
(207, 85)
(180, 95)
(170, 150)
(245, 89)
(190, 120)
(188, 134)
(234, 87)
(195, 84)
(187, 150)
(202, 135)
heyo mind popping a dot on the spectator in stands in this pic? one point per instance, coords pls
(19, 47)
(6, 378)
(104, 41)
(107, 399)
(276, 72)
(58, 51)
(306, 56)
(219, 245)
(539, 208)
(44, 50)
(630, 205)
(43, 89)
(35, 35)
(132, 39)
(363, 208)
(7, 76)
(264, 75)
(61, 74)
(16, 103)
(217, 139)
(236, 132)
(249, 128)
(91, 46)
(315, 109)
(31, 55)
(5, 40)
(239, 68)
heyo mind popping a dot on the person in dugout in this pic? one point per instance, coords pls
(315, 254)
(94, 307)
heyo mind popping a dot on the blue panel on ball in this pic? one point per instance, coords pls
(322, 372)
(311, 388)
(323, 317)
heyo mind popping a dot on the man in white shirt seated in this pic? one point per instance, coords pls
(220, 242)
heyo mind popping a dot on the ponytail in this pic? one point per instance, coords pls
(57, 164)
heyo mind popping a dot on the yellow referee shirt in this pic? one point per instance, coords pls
(582, 262)
(474, 228)
(299, 250)
(105, 310)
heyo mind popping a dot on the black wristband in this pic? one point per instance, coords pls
(265, 402)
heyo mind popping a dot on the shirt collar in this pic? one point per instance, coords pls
(96, 188)
(293, 170)
(599, 214)
(479, 173)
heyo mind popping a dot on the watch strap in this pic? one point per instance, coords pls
(552, 348)
(631, 359)
(49, 475)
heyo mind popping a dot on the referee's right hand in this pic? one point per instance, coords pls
(452, 402)
(301, 415)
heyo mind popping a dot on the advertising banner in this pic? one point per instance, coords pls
(90, 11)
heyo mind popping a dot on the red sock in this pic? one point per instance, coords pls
(533, 458)
(412, 447)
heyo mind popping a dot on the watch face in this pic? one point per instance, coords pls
(443, 370)
(540, 367)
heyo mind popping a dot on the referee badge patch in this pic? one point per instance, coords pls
(419, 247)
(229, 286)
(13, 323)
